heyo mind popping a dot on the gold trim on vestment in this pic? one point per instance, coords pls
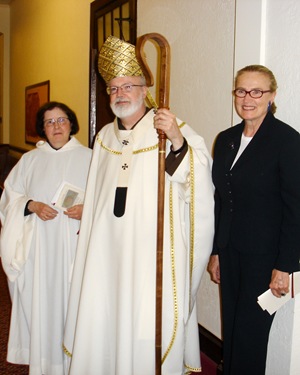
(192, 241)
(173, 269)
(192, 223)
(172, 250)
(115, 152)
(146, 149)
(191, 370)
(66, 351)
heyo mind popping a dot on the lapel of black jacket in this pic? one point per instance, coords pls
(257, 142)
(233, 144)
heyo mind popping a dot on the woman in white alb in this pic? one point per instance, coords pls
(38, 239)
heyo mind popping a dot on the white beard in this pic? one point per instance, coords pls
(126, 110)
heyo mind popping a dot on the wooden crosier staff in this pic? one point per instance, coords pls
(164, 88)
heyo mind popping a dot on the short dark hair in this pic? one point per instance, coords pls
(39, 124)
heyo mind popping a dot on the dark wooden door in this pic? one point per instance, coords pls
(108, 17)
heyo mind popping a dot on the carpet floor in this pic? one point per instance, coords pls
(208, 366)
(5, 308)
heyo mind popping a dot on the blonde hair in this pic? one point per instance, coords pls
(267, 72)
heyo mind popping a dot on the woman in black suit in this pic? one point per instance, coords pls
(256, 172)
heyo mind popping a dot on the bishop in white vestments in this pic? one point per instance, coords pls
(110, 326)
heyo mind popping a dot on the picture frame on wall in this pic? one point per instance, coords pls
(35, 96)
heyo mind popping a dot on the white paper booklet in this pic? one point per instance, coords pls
(269, 302)
(67, 195)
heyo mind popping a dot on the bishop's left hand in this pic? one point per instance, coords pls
(166, 121)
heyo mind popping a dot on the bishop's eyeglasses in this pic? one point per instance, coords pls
(127, 87)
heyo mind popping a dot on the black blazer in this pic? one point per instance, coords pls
(257, 202)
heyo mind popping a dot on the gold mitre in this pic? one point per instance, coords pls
(117, 58)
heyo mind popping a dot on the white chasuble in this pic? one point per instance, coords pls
(110, 327)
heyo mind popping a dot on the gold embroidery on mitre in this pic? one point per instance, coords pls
(117, 58)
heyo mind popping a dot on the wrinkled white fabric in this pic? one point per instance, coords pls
(110, 328)
(37, 255)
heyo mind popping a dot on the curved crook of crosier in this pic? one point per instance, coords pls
(164, 73)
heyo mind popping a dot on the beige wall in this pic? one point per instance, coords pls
(201, 37)
(4, 96)
(49, 43)
(52, 43)
(1, 84)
